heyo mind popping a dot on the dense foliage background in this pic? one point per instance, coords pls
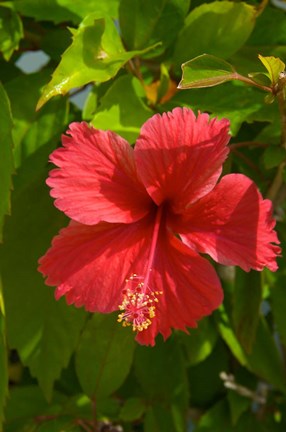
(62, 369)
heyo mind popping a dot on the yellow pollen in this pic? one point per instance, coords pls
(138, 304)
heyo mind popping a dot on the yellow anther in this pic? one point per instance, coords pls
(138, 305)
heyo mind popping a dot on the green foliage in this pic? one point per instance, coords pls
(69, 370)
(219, 28)
(206, 71)
(103, 344)
(11, 30)
(96, 54)
(6, 157)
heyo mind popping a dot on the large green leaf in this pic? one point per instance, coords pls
(11, 30)
(26, 403)
(206, 71)
(160, 418)
(237, 102)
(65, 10)
(33, 130)
(49, 329)
(278, 299)
(264, 359)
(200, 342)
(204, 378)
(143, 22)
(122, 108)
(96, 54)
(246, 306)
(161, 373)
(6, 157)
(219, 28)
(104, 355)
(270, 29)
(3, 359)
(43, 331)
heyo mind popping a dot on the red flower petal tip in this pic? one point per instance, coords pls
(140, 217)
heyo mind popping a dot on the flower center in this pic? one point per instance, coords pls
(139, 301)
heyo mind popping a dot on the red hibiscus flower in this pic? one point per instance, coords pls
(140, 218)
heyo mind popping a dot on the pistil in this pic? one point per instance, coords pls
(139, 301)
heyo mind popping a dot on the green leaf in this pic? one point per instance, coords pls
(273, 156)
(158, 418)
(246, 306)
(104, 355)
(65, 10)
(274, 67)
(49, 329)
(206, 71)
(204, 378)
(96, 54)
(143, 22)
(27, 402)
(219, 28)
(234, 101)
(270, 30)
(122, 108)
(33, 130)
(216, 419)
(278, 301)
(6, 157)
(132, 409)
(228, 335)
(238, 405)
(3, 359)
(160, 370)
(200, 342)
(11, 30)
(264, 359)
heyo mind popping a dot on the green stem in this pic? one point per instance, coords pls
(249, 81)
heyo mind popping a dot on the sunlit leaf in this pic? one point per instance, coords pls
(206, 71)
(122, 108)
(6, 157)
(96, 54)
(143, 22)
(219, 28)
(11, 29)
(65, 10)
(104, 355)
(274, 67)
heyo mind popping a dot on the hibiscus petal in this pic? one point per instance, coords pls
(190, 289)
(96, 179)
(89, 264)
(179, 157)
(233, 224)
